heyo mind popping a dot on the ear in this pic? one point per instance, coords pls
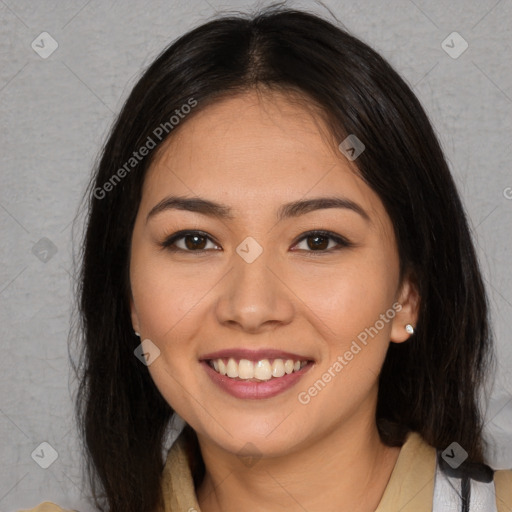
(134, 315)
(407, 311)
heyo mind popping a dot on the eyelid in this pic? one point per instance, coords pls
(339, 239)
(178, 235)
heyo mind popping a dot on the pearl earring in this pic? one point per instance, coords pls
(409, 328)
(137, 333)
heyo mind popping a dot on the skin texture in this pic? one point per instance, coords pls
(254, 152)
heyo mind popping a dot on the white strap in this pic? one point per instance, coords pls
(448, 494)
(483, 497)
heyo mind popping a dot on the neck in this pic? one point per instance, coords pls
(310, 478)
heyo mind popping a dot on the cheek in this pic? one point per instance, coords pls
(354, 308)
(167, 303)
(356, 329)
(165, 296)
(351, 298)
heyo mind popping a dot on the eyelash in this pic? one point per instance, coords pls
(342, 242)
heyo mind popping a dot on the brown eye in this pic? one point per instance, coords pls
(322, 241)
(318, 242)
(193, 242)
(188, 241)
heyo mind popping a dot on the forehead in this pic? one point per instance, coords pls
(253, 149)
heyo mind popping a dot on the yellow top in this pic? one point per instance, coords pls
(410, 487)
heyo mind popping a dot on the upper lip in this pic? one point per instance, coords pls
(253, 355)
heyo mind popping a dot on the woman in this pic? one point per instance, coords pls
(277, 253)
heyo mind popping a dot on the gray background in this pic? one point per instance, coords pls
(55, 115)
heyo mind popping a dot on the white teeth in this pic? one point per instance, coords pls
(278, 368)
(245, 369)
(232, 368)
(288, 366)
(261, 370)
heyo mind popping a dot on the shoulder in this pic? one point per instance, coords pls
(503, 483)
(47, 506)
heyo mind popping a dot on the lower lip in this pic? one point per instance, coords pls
(255, 390)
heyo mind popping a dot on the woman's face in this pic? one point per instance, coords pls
(249, 290)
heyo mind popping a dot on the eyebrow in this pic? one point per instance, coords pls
(288, 210)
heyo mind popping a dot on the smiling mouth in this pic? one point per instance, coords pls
(256, 371)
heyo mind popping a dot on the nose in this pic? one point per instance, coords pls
(254, 296)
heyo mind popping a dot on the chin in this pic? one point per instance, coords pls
(256, 438)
